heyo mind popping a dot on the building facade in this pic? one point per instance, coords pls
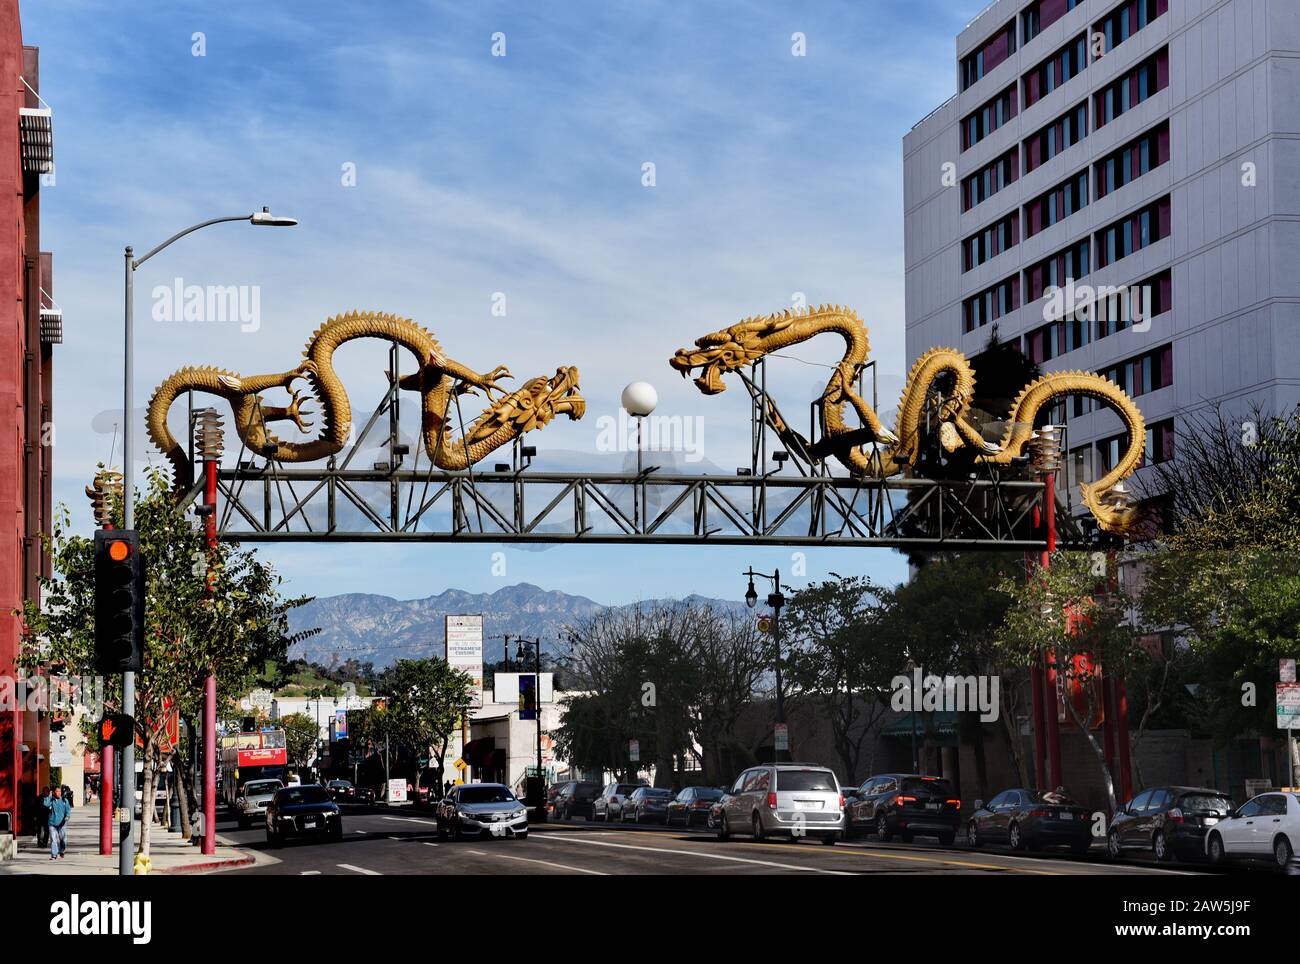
(31, 327)
(1143, 151)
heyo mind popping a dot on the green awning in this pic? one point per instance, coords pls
(944, 723)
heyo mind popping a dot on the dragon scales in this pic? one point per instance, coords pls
(738, 346)
(439, 380)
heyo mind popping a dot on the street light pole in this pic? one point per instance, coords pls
(264, 217)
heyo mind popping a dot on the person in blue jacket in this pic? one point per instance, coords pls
(58, 820)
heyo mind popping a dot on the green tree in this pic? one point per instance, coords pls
(300, 736)
(426, 701)
(220, 611)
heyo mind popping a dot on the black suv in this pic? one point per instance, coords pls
(1167, 822)
(574, 799)
(905, 804)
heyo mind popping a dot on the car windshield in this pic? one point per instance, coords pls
(340, 783)
(806, 780)
(1058, 797)
(485, 795)
(294, 795)
(708, 793)
(627, 789)
(1204, 803)
(585, 791)
(666, 794)
(262, 786)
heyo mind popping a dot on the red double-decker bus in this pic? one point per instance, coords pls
(251, 756)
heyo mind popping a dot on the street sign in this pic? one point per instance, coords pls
(396, 790)
(1286, 670)
(460, 764)
(261, 699)
(1288, 706)
(765, 623)
(60, 749)
(781, 737)
(634, 750)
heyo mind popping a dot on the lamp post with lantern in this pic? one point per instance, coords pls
(776, 600)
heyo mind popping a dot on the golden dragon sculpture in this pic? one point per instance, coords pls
(439, 380)
(941, 374)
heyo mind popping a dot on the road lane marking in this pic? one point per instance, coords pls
(309, 873)
(476, 853)
(359, 870)
(428, 844)
(695, 853)
(432, 823)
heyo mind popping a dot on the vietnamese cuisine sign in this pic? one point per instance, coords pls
(464, 651)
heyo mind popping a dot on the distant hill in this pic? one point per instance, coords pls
(382, 630)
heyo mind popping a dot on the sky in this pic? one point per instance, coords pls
(431, 178)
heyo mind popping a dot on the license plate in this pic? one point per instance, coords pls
(310, 822)
(932, 806)
(807, 804)
(1067, 816)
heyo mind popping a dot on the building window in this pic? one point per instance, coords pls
(1134, 159)
(1066, 131)
(1041, 14)
(1159, 446)
(1051, 341)
(1057, 204)
(1140, 229)
(1066, 63)
(983, 122)
(1057, 271)
(1148, 372)
(991, 304)
(1126, 92)
(1149, 299)
(990, 179)
(991, 53)
(990, 242)
(1128, 19)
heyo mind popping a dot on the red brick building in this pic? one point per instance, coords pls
(29, 328)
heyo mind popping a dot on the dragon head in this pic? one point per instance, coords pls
(532, 406)
(729, 350)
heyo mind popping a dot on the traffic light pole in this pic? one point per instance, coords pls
(126, 847)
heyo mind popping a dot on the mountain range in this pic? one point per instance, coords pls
(382, 630)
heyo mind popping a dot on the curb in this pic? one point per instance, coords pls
(247, 860)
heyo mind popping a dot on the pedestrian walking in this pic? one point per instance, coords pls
(58, 822)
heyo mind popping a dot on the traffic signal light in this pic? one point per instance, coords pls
(119, 602)
(116, 729)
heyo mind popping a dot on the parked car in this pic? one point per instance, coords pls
(693, 805)
(481, 809)
(608, 804)
(250, 805)
(1030, 820)
(341, 790)
(647, 803)
(906, 804)
(574, 799)
(302, 810)
(1167, 822)
(1263, 828)
(783, 799)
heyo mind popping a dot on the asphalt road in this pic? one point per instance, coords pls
(378, 841)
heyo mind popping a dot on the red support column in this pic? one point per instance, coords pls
(106, 801)
(210, 682)
(1040, 732)
(1051, 697)
(1121, 731)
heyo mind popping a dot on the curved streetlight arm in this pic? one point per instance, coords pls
(190, 230)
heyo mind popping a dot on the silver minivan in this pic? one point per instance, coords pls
(786, 800)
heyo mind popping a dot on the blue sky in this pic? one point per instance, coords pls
(477, 174)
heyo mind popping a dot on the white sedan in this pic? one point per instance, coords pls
(1264, 827)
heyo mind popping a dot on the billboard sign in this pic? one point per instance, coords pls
(1288, 706)
(463, 637)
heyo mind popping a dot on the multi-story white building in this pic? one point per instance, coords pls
(1148, 143)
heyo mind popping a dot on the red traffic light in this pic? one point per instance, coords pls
(118, 550)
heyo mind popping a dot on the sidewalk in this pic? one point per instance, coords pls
(169, 854)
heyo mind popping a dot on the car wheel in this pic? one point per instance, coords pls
(757, 827)
(272, 838)
(882, 829)
(1216, 851)
(1015, 838)
(1282, 851)
(336, 833)
(522, 836)
(972, 836)
(1113, 848)
(442, 830)
(243, 823)
(830, 840)
(724, 831)
(1160, 847)
(947, 839)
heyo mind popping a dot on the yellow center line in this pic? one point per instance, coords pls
(887, 855)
